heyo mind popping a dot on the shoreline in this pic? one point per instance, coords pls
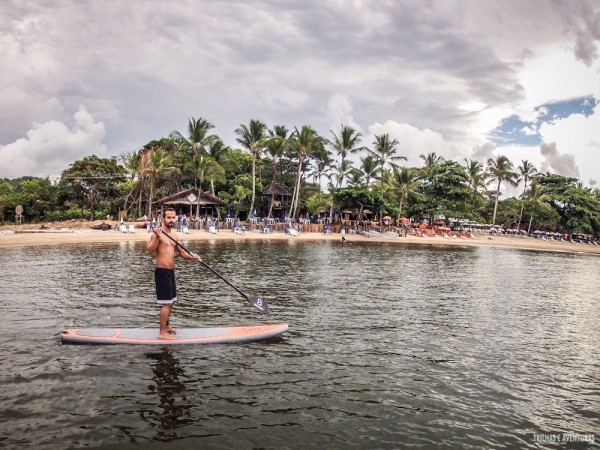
(82, 233)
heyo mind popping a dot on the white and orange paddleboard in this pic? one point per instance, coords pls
(149, 336)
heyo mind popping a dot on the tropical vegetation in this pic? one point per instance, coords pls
(335, 176)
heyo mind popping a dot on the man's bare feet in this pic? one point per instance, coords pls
(167, 336)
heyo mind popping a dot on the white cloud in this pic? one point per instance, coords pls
(437, 76)
(554, 161)
(50, 147)
(412, 142)
(575, 137)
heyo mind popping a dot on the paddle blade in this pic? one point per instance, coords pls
(260, 304)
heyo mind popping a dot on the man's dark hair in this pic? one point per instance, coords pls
(171, 209)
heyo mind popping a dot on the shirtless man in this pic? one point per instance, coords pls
(164, 274)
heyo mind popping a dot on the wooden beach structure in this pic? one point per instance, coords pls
(204, 203)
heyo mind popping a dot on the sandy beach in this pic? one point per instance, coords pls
(81, 232)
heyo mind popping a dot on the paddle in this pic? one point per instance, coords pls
(257, 302)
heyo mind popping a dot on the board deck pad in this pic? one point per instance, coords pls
(149, 336)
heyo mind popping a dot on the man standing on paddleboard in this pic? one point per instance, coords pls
(164, 273)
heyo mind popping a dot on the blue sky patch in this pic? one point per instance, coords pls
(515, 131)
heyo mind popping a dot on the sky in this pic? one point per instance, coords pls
(466, 79)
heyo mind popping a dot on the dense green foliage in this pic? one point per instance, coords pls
(301, 162)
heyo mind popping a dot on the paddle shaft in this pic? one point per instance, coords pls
(207, 266)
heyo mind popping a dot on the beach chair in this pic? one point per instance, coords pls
(132, 228)
(185, 230)
(123, 228)
(212, 230)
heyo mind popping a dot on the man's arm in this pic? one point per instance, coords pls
(153, 243)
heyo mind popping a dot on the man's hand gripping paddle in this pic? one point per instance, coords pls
(256, 302)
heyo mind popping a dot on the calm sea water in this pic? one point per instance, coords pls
(390, 346)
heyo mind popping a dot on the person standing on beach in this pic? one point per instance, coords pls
(164, 273)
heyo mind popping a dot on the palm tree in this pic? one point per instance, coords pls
(355, 178)
(155, 163)
(369, 168)
(305, 143)
(536, 197)
(527, 170)
(132, 165)
(217, 151)
(240, 193)
(341, 171)
(385, 152)
(276, 146)
(317, 203)
(194, 145)
(431, 160)
(209, 169)
(476, 177)
(252, 138)
(500, 169)
(346, 142)
(406, 183)
(320, 168)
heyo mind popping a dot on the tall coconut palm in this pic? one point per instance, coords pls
(320, 168)
(406, 184)
(252, 138)
(305, 143)
(499, 170)
(217, 151)
(527, 170)
(355, 178)
(340, 171)
(430, 162)
(209, 169)
(368, 168)
(476, 177)
(156, 163)
(385, 149)
(276, 146)
(535, 197)
(346, 142)
(194, 145)
(131, 162)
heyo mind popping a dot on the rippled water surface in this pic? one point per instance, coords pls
(390, 346)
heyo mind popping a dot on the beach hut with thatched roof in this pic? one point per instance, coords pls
(185, 200)
(279, 198)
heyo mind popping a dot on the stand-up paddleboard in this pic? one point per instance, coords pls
(149, 336)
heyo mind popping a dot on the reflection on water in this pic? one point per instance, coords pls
(172, 410)
(389, 346)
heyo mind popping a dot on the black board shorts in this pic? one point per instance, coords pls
(166, 292)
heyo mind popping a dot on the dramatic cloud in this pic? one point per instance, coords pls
(562, 164)
(50, 147)
(439, 76)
